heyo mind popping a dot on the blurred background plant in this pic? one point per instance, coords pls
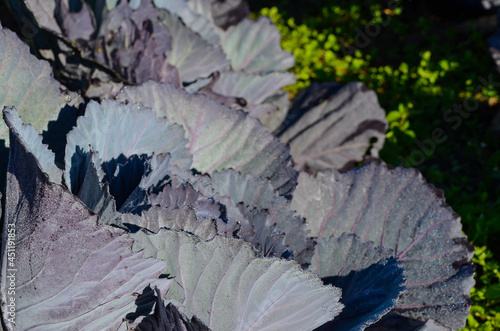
(422, 58)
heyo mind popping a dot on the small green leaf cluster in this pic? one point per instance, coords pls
(485, 313)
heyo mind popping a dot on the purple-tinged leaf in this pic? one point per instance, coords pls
(397, 209)
(69, 271)
(44, 13)
(75, 19)
(192, 56)
(184, 219)
(334, 130)
(116, 130)
(179, 194)
(266, 219)
(253, 46)
(228, 287)
(205, 87)
(337, 256)
(219, 137)
(306, 100)
(134, 44)
(370, 280)
(158, 167)
(27, 84)
(150, 43)
(196, 22)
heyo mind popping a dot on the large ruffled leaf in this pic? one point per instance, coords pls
(265, 219)
(32, 142)
(228, 287)
(27, 84)
(196, 22)
(116, 130)
(396, 209)
(180, 194)
(253, 46)
(192, 56)
(331, 128)
(370, 280)
(219, 137)
(151, 43)
(69, 272)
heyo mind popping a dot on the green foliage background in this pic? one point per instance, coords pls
(423, 66)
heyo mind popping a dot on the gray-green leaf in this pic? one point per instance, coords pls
(227, 286)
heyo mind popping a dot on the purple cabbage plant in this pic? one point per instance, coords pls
(164, 181)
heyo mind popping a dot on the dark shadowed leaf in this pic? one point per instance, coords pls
(370, 281)
(228, 12)
(126, 178)
(397, 209)
(306, 100)
(334, 130)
